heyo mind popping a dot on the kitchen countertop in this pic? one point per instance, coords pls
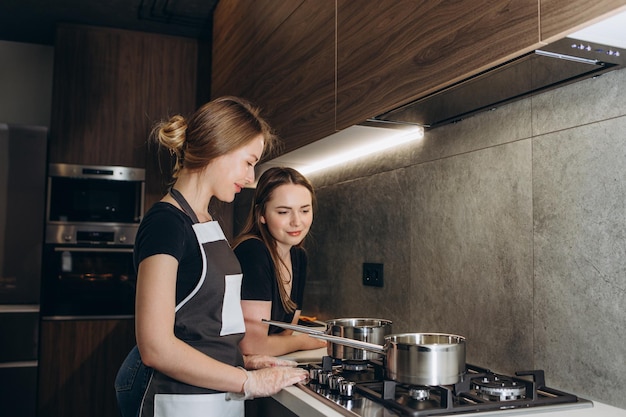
(305, 404)
(306, 356)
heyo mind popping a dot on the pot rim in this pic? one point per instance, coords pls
(347, 320)
(453, 339)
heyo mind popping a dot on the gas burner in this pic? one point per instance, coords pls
(367, 392)
(354, 366)
(497, 388)
(419, 393)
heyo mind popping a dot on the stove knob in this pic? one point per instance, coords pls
(322, 377)
(313, 374)
(346, 388)
(334, 381)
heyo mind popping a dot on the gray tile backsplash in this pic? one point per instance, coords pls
(508, 228)
(580, 262)
(471, 247)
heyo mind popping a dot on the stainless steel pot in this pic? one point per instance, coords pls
(409, 358)
(363, 329)
(425, 358)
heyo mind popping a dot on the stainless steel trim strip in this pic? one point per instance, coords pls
(111, 317)
(23, 364)
(19, 308)
(115, 173)
(567, 57)
(69, 249)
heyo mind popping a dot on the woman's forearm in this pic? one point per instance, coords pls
(278, 344)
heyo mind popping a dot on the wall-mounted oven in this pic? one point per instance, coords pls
(92, 217)
(81, 281)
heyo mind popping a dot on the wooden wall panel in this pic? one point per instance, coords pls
(561, 17)
(77, 366)
(391, 52)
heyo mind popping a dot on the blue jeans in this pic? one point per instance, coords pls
(130, 384)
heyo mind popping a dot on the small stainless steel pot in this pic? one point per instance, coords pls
(363, 329)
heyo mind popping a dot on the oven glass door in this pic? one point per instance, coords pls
(88, 281)
(94, 200)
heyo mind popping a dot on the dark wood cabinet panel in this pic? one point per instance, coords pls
(240, 28)
(110, 86)
(285, 66)
(391, 52)
(77, 366)
(560, 17)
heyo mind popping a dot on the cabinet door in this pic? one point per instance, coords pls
(77, 366)
(110, 86)
(280, 55)
(561, 17)
(390, 52)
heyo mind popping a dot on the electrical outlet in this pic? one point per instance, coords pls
(373, 275)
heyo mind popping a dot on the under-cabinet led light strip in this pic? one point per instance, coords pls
(386, 141)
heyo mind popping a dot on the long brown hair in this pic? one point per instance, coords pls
(255, 229)
(215, 129)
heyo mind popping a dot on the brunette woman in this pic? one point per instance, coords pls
(274, 262)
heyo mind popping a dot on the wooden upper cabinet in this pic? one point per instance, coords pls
(319, 66)
(240, 28)
(281, 56)
(390, 52)
(110, 86)
(561, 17)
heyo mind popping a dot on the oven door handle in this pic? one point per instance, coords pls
(66, 249)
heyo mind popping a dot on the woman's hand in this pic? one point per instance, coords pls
(268, 381)
(264, 361)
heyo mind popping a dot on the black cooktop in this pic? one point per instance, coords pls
(481, 390)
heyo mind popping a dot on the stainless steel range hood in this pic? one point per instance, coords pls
(554, 65)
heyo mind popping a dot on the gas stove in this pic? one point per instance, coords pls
(359, 388)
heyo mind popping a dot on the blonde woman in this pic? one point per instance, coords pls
(188, 313)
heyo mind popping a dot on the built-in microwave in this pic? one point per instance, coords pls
(94, 204)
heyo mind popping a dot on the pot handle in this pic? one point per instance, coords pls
(318, 334)
(351, 343)
(289, 326)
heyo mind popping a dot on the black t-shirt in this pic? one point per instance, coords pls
(167, 230)
(259, 279)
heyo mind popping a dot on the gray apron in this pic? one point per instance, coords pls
(209, 319)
